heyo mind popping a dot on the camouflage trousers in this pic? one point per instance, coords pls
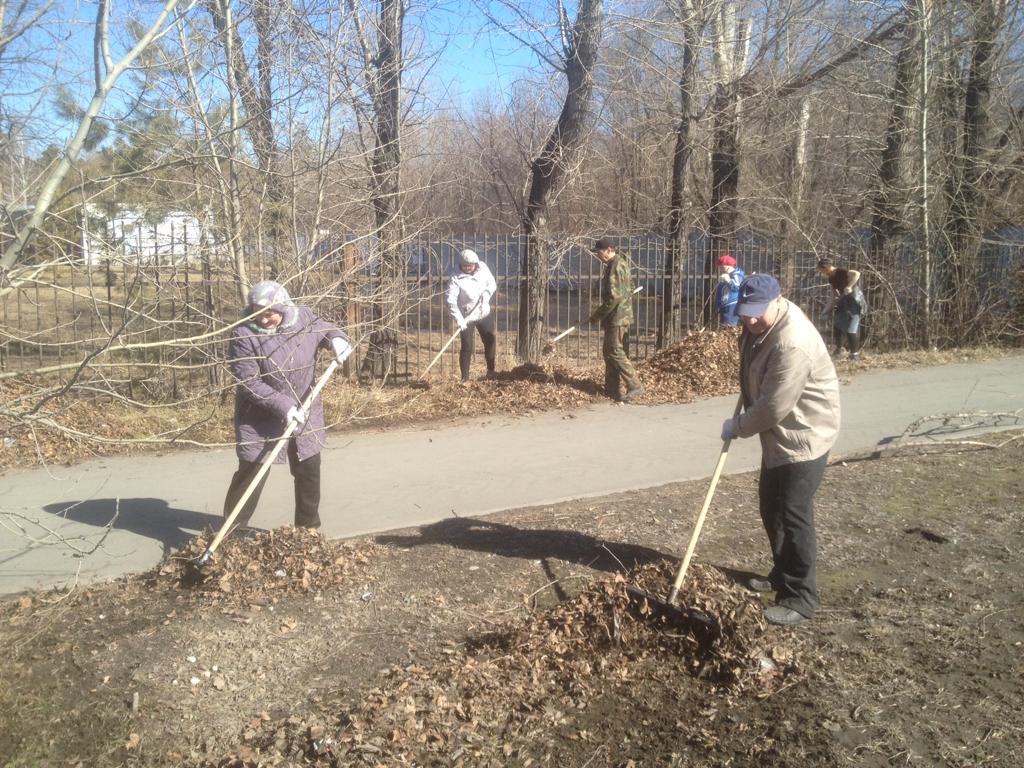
(616, 365)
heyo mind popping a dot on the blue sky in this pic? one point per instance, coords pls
(474, 58)
(479, 57)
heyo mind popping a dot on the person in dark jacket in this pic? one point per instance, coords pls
(849, 304)
(615, 314)
(728, 292)
(272, 356)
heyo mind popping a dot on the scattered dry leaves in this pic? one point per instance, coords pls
(263, 567)
(523, 678)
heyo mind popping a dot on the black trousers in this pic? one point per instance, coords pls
(786, 496)
(467, 340)
(307, 489)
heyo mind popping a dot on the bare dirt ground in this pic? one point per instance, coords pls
(509, 640)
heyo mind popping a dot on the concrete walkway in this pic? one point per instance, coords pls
(375, 481)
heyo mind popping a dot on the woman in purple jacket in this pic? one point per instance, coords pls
(272, 356)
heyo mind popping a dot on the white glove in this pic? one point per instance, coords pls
(296, 414)
(342, 349)
(463, 324)
(847, 289)
(724, 277)
(728, 430)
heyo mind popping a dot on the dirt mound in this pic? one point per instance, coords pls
(514, 682)
(261, 567)
(703, 364)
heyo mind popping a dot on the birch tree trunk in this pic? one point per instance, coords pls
(731, 47)
(792, 225)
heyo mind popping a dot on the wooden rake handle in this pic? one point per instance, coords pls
(685, 565)
(451, 339)
(563, 334)
(437, 357)
(282, 441)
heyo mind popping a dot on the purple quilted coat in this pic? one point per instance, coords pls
(273, 372)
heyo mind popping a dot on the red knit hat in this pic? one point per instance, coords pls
(726, 261)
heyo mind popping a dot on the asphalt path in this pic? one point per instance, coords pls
(51, 520)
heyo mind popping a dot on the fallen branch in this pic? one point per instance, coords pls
(921, 447)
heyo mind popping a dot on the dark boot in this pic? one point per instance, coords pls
(611, 383)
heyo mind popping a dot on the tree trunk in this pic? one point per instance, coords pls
(672, 320)
(792, 225)
(967, 192)
(386, 90)
(257, 101)
(731, 49)
(549, 169)
(892, 195)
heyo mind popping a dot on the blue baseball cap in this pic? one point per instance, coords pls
(756, 293)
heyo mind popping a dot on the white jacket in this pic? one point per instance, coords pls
(465, 291)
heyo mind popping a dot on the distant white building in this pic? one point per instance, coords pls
(128, 236)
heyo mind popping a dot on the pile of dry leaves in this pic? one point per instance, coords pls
(262, 566)
(703, 364)
(511, 685)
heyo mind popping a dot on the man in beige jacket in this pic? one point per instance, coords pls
(791, 401)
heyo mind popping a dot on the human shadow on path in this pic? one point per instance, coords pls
(528, 543)
(152, 518)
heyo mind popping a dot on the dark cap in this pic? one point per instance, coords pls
(603, 244)
(756, 293)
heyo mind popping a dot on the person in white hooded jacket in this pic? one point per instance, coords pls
(470, 289)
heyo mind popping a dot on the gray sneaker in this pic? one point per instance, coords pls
(780, 614)
(760, 585)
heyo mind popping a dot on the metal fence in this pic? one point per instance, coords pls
(119, 315)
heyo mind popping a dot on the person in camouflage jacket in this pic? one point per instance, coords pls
(615, 314)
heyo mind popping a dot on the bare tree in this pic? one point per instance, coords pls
(686, 16)
(895, 185)
(575, 56)
(732, 53)
(106, 73)
(968, 186)
(382, 57)
(253, 86)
